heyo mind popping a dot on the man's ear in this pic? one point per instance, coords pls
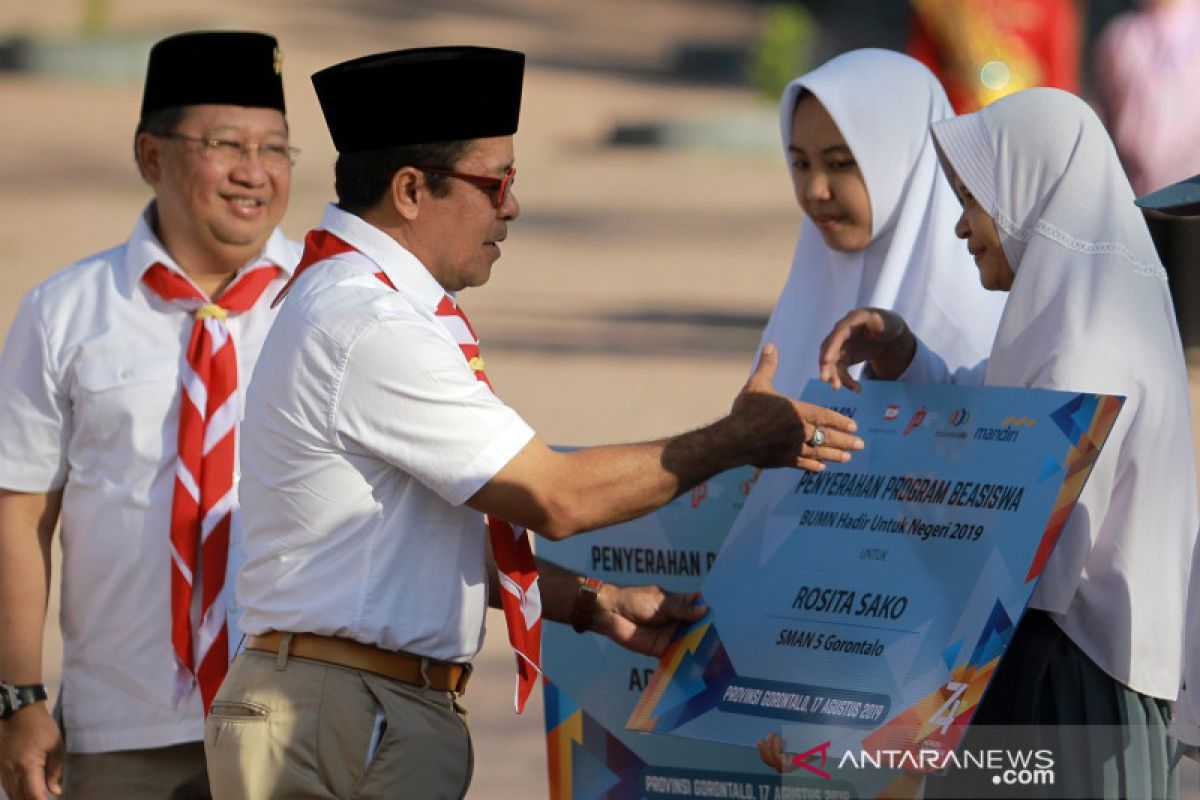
(407, 192)
(149, 149)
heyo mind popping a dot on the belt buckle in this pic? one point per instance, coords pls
(461, 687)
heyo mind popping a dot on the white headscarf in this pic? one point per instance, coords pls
(883, 103)
(1089, 311)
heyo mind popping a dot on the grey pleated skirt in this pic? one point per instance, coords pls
(1104, 739)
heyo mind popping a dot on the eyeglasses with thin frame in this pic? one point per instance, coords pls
(498, 188)
(230, 152)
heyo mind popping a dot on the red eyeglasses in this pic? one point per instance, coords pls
(498, 188)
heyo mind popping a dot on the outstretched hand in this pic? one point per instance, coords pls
(866, 334)
(643, 618)
(782, 432)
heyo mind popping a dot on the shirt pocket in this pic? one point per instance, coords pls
(126, 411)
(102, 373)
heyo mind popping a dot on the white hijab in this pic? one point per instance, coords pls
(883, 103)
(1089, 311)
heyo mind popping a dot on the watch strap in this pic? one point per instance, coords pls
(14, 698)
(584, 611)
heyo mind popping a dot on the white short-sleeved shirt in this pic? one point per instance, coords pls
(366, 432)
(90, 404)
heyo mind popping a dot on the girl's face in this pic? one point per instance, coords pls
(829, 185)
(983, 241)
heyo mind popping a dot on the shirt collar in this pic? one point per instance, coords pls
(144, 249)
(404, 270)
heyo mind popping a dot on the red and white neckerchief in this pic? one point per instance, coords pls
(205, 498)
(521, 599)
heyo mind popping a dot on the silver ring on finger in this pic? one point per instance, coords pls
(818, 437)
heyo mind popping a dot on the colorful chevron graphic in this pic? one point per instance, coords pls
(689, 681)
(586, 761)
(938, 720)
(1086, 420)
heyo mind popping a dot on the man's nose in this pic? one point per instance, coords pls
(510, 209)
(249, 169)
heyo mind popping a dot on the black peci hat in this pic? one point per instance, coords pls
(236, 68)
(421, 96)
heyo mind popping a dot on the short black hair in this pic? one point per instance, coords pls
(362, 179)
(159, 123)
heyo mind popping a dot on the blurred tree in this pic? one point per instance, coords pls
(95, 17)
(783, 49)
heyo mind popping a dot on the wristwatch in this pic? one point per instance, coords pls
(14, 698)
(584, 611)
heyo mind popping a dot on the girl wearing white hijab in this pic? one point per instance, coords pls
(878, 222)
(878, 217)
(1049, 216)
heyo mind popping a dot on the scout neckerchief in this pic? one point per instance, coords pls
(205, 497)
(511, 546)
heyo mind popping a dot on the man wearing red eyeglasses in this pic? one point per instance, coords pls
(374, 447)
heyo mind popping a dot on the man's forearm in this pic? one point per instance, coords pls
(26, 527)
(559, 589)
(561, 494)
(639, 618)
(624, 482)
(617, 483)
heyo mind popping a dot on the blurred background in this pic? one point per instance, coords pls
(657, 219)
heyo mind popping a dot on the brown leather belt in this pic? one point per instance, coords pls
(414, 670)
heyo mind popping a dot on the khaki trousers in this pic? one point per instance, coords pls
(175, 772)
(285, 727)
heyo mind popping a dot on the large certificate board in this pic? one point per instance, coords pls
(592, 685)
(865, 608)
